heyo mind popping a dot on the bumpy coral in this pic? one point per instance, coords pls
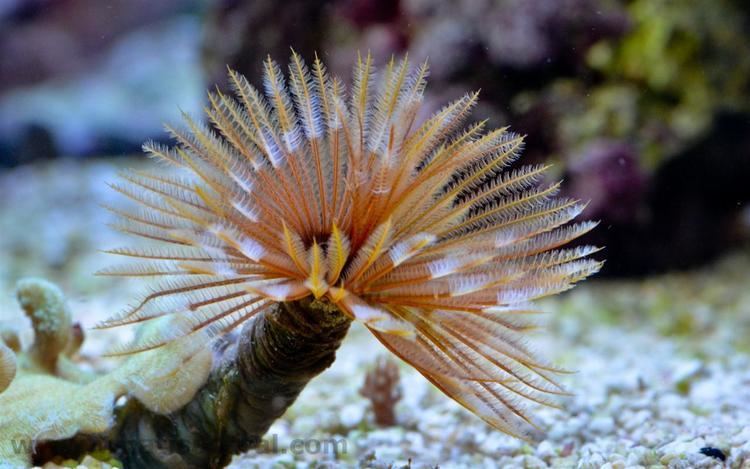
(46, 400)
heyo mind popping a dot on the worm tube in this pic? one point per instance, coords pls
(276, 355)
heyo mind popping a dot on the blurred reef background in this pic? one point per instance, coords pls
(642, 105)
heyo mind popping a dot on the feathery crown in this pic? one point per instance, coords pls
(418, 230)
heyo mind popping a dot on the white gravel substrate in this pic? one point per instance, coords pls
(627, 411)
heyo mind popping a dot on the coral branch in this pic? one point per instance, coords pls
(45, 305)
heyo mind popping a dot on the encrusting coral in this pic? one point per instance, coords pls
(47, 401)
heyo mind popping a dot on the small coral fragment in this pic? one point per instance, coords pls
(382, 388)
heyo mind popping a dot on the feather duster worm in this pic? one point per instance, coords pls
(418, 230)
